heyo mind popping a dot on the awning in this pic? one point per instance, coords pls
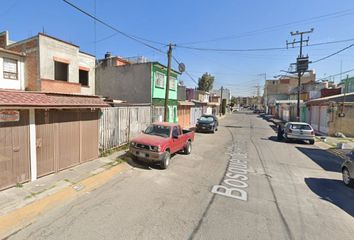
(25, 99)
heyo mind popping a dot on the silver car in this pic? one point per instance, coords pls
(298, 131)
(348, 170)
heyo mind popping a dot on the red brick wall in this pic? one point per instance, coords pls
(3, 40)
(31, 63)
(60, 86)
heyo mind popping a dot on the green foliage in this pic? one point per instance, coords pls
(205, 83)
(233, 101)
(223, 107)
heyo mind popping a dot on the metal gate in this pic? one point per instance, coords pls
(45, 142)
(323, 127)
(14, 151)
(196, 112)
(89, 135)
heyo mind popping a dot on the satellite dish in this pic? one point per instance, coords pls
(181, 67)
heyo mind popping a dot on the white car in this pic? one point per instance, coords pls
(298, 131)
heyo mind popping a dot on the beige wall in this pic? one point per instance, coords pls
(345, 124)
(51, 48)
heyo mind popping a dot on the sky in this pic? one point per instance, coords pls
(225, 24)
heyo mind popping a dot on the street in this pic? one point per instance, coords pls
(285, 191)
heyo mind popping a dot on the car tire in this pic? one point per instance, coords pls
(166, 160)
(347, 179)
(188, 148)
(312, 142)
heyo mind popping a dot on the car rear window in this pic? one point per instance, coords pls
(301, 126)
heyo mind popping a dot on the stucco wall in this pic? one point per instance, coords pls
(51, 49)
(131, 83)
(343, 124)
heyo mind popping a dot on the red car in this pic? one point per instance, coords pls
(159, 141)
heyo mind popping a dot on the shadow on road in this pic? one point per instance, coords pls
(333, 191)
(142, 165)
(323, 158)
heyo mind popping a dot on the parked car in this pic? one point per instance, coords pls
(159, 141)
(348, 170)
(297, 131)
(207, 123)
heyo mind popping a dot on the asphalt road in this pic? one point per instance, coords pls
(271, 190)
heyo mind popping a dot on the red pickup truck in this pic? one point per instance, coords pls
(159, 141)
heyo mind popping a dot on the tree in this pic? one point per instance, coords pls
(205, 83)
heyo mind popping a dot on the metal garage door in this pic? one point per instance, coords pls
(14, 151)
(89, 135)
(68, 138)
(323, 128)
(45, 144)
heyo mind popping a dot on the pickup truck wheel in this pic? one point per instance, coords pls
(166, 160)
(188, 148)
(347, 178)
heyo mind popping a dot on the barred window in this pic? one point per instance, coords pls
(10, 68)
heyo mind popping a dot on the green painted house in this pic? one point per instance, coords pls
(137, 83)
(158, 89)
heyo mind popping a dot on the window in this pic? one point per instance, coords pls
(84, 77)
(159, 80)
(61, 71)
(175, 131)
(10, 69)
(173, 83)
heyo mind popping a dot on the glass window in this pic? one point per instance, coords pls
(10, 69)
(175, 131)
(159, 80)
(173, 83)
(301, 127)
(158, 130)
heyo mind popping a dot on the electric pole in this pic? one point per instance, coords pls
(301, 64)
(221, 101)
(169, 56)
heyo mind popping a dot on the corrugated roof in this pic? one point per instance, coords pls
(50, 100)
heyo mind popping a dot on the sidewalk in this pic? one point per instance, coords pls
(340, 147)
(21, 204)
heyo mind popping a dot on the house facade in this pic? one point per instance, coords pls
(54, 65)
(48, 113)
(142, 82)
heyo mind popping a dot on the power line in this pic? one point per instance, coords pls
(186, 72)
(260, 49)
(132, 37)
(335, 75)
(276, 27)
(335, 53)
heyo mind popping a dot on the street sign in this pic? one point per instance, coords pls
(9, 116)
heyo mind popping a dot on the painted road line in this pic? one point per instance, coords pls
(234, 182)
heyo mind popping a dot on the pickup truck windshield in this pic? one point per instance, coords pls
(158, 130)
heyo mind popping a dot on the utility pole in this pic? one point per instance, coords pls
(301, 64)
(169, 56)
(220, 111)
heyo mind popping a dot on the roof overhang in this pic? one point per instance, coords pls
(23, 99)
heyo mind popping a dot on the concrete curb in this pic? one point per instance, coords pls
(13, 221)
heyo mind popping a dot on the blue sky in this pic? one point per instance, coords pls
(233, 24)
